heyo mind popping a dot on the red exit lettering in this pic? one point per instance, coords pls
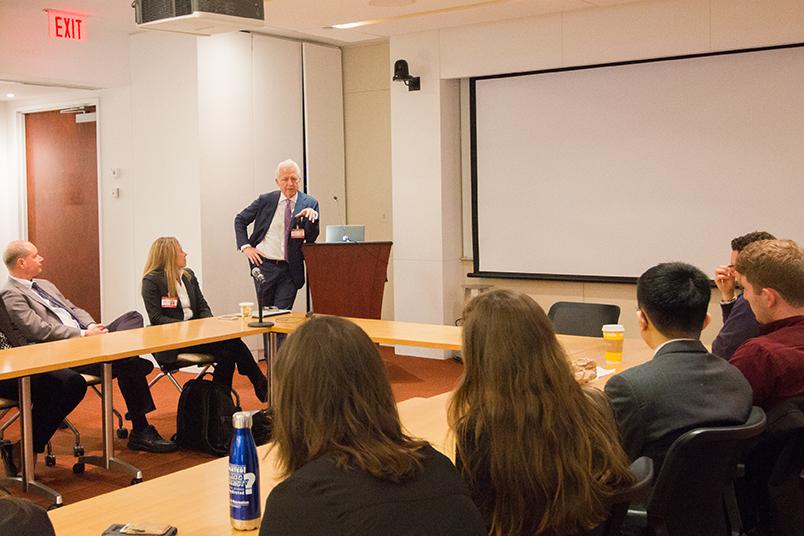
(63, 25)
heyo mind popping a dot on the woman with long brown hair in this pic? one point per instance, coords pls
(538, 455)
(171, 293)
(351, 469)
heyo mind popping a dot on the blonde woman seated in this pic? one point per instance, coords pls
(538, 455)
(350, 467)
(171, 293)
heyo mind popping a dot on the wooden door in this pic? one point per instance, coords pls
(62, 175)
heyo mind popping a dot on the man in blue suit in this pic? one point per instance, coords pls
(283, 221)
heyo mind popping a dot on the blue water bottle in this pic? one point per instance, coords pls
(244, 476)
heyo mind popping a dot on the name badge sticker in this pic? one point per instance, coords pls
(168, 302)
(297, 233)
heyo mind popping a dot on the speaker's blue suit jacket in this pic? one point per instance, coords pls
(261, 213)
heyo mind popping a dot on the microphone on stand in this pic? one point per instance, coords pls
(343, 223)
(256, 273)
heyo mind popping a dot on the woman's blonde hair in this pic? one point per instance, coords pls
(522, 420)
(164, 257)
(334, 398)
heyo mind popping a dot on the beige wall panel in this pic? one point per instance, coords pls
(747, 23)
(367, 133)
(365, 67)
(500, 47)
(650, 29)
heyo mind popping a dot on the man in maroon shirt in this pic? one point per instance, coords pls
(772, 274)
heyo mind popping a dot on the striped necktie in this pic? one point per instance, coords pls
(39, 290)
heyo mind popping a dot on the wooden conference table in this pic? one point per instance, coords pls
(196, 500)
(25, 361)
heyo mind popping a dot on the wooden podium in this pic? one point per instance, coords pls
(347, 279)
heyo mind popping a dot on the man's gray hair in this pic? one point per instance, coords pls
(288, 163)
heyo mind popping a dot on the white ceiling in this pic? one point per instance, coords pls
(313, 19)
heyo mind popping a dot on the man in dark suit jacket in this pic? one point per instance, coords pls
(283, 221)
(42, 313)
(684, 386)
(53, 394)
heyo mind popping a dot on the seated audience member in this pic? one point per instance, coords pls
(683, 387)
(739, 322)
(54, 395)
(21, 517)
(772, 274)
(538, 455)
(350, 467)
(171, 293)
(42, 314)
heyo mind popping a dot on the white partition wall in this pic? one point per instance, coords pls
(323, 131)
(226, 136)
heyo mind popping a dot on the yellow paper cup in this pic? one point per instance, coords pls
(613, 334)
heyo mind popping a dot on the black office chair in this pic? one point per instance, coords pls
(694, 492)
(585, 319)
(771, 488)
(618, 504)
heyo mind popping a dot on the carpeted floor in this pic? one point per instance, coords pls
(410, 377)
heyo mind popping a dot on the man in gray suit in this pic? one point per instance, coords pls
(684, 386)
(42, 313)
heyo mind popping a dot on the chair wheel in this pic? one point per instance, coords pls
(78, 468)
(78, 450)
(50, 460)
(135, 481)
(122, 433)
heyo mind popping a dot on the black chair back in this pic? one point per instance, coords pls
(585, 319)
(696, 480)
(618, 503)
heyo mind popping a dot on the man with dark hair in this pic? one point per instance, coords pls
(772, 274)
(683, 386)
(739, 322)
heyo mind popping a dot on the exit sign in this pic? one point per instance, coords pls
(69, 26)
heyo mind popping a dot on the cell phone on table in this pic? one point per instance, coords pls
(141, 529)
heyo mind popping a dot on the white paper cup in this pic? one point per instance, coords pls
(246, 309)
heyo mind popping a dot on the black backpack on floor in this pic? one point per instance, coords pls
(204, 417)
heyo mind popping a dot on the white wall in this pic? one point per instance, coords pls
(6, 213)
(196, 135)
(29, 55)
(653, 28)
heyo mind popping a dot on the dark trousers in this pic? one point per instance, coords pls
(279, 289)
(54, 395)
(130, 372)
(227, 354)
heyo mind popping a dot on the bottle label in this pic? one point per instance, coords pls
(244, 493)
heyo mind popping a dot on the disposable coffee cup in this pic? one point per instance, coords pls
(613, 334)
(246, 308)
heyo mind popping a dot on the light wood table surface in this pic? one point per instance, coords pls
(22, 362)
(196, 500)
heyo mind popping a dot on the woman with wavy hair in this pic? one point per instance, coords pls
(171, 293)
(351, 469)
(539, 457)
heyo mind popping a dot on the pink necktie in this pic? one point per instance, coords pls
(288, 216)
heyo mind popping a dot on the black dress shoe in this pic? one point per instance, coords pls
(7, 450)
(149, 440)
(260, 387)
